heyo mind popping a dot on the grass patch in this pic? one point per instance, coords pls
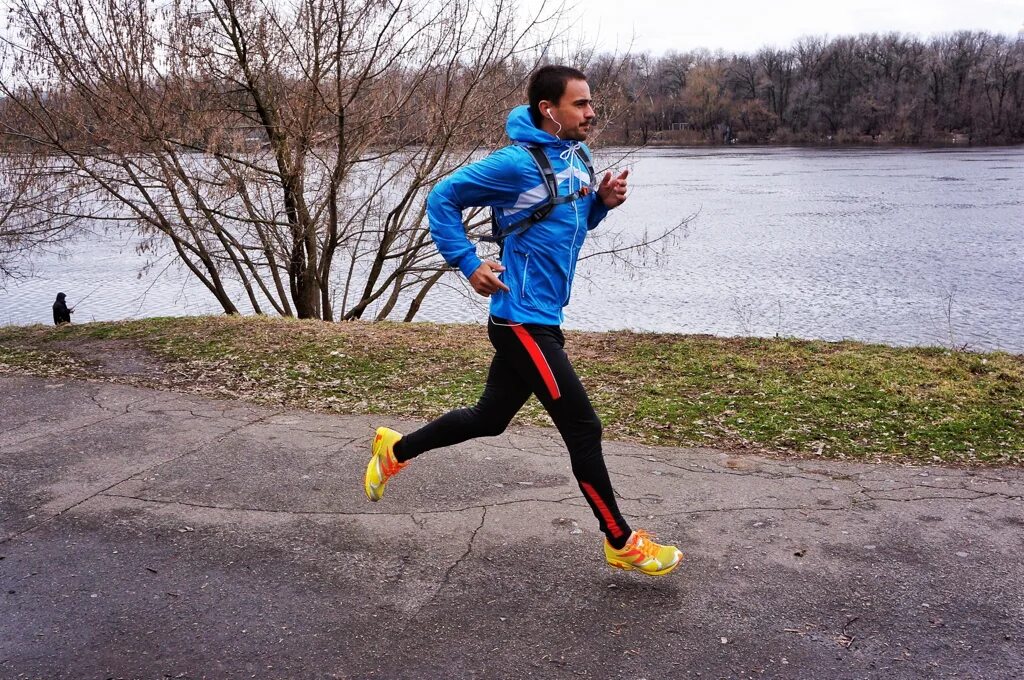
(810, 398)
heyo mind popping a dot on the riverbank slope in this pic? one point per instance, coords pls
(844, 400)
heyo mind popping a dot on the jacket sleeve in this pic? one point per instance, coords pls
(489, 182)
(598, 210)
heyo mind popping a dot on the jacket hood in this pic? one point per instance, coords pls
(520, 128)
(60, 297)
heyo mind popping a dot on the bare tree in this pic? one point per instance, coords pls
(1003, 74)
(285, 146)
(705, 96)
(743, 76)
(777, 67)
(32, 217)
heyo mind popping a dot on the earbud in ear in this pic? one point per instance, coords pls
(548, 113)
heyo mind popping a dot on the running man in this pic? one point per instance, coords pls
(528, 290)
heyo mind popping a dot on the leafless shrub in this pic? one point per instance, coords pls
(285, 145)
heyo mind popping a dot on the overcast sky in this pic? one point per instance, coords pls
(746, 25)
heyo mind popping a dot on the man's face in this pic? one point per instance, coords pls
(573, 112)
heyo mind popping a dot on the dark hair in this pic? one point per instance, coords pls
(548, 83)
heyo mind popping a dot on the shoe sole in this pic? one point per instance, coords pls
(628, 567)
(366, 481)
(370, 467)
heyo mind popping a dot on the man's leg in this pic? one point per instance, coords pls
(504, 394)
(538, 352)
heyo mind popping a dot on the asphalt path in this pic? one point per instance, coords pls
(151, 534)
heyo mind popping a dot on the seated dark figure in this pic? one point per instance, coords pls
(61, 313)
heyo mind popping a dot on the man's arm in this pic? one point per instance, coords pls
(598, 211)
(486, 183)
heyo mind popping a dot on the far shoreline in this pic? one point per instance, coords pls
(819, 146)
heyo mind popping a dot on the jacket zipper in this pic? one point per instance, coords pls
(526, 269)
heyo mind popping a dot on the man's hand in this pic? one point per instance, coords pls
(484, 281)
(612, 192)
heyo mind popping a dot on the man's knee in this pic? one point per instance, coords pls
(493, 427)
(591, 428)
(487, 423)
(586, 431)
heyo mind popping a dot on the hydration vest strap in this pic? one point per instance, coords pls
(547, 173)
(574, 196)
(513, 229)
(585, 157)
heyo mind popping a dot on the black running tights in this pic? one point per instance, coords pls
(531, 359)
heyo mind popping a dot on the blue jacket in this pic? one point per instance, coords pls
(541, 261)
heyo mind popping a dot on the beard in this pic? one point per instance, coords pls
(580, 133)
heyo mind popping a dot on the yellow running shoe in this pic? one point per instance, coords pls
(383, 464)
(643, 554)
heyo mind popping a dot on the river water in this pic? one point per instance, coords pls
(903, 247)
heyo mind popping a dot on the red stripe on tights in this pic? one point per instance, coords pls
(603, 509)
(539, 360)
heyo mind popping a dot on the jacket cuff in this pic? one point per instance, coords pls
(598, 211)
(469, 264)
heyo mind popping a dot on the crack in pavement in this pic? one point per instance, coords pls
(945, 498)
(647, 497)
(103, 491)
(31, 421)
(703, 470)
(842, 477)
(135, 406)
(266, 511)
(342, 441)
(339, 513)
(78, 427)
(812, 509)
(539, 453)
(875, 494)
(980, 492)
(92, 397)
(448, 572)
(176, 411)
(747, 508)
(854, 502)
(469, 549)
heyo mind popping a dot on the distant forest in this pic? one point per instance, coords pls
(961, 88)
(954, 89)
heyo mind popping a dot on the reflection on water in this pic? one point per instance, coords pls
(895, 246)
